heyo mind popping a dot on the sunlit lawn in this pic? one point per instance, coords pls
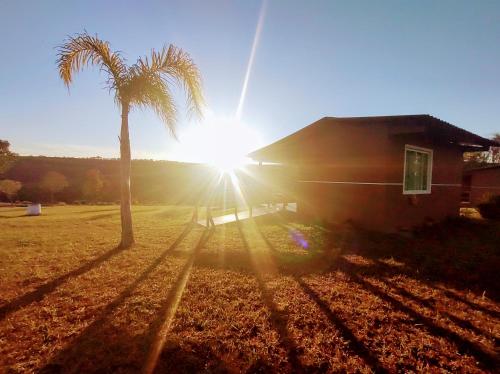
(246, 297)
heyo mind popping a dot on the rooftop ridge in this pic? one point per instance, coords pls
(437, 126)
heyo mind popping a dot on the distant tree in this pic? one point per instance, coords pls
(146, 84)
(495, 151)
(31, 192)
(491, 156)
(476, 158)
(53, 182)
(6, 155)
(10, 188)
(93, 184)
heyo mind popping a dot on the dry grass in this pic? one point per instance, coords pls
(245, 298)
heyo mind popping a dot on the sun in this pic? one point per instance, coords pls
(220, 142)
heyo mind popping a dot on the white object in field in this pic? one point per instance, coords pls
(34, 210)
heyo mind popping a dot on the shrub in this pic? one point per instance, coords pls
(491, 208)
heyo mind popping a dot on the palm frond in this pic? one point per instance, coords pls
(175, 63)
(145, 84)
(84, 49)
(147, 90)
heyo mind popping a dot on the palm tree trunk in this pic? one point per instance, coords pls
(125, 203)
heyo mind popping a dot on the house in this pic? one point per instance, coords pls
(481, 183)
(384, 173)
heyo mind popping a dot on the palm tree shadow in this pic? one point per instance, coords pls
(278, 319)
(41, 291)
(72, 353)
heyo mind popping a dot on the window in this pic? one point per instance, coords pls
(417, 170)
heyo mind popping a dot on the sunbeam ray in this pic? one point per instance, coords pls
(255, 43)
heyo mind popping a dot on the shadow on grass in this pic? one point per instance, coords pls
(39, 293)
(313, 261)
(19, 216)
(452, 295)
(116, 212)
(278, 319)
(115, 208)
(377, 269)
(158, 329)
(354, 343)
(460, 253)
(237, 261)
(192, 357)
(71, 354)
(173, 212)
(429, 305)
(104, 216)
(487, 359)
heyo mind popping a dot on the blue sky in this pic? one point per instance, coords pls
(314, 59)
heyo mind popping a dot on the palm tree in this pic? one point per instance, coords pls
(144, 84)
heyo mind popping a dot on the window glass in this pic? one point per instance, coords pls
(416, 170)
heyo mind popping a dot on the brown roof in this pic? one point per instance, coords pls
(438, 129)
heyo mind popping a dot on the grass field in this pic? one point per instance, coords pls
(247, 297)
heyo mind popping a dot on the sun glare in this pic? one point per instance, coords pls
(223, 143)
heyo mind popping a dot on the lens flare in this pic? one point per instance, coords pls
(298, 238)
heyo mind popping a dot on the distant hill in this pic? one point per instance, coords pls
(152, 181)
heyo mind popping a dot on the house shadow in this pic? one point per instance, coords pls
(483, 355)
(341, 243)
(459, 253)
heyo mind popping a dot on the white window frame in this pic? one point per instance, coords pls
(429, 152)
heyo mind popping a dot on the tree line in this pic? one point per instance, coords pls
(94, 180)
(97, 180)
